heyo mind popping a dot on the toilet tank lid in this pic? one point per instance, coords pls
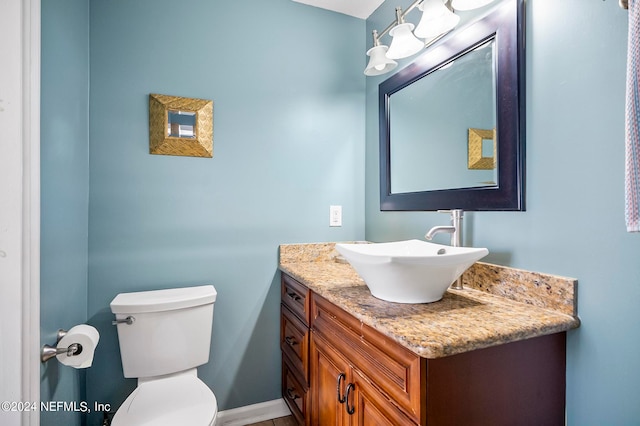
(163, 300)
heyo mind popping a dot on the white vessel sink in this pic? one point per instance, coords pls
(411, 271)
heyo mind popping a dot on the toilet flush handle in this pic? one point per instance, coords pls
(128, 320)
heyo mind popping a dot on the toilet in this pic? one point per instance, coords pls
(164, 336)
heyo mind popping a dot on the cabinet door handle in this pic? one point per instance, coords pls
(292, 396)
(293, 296)
(290, 341)
(341, 399)
(352, 409)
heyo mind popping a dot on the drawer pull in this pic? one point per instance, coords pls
(290, 341)
(292, 396)
(341, 399)
(293, 296)
(352, 409)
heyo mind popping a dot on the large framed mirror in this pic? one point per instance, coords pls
(452, 122)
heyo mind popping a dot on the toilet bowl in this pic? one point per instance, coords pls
(164, 335)
(176, 399)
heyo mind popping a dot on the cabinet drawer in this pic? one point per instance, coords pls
(296, 297)
(393, 369)
(294, 342)
(295, 394)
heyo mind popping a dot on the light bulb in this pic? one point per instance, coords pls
(379, 63)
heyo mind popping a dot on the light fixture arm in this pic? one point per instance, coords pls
(376, 38)
(400, 15)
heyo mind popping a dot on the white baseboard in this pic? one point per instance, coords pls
(253, 413)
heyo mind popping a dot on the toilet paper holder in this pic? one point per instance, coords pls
(47, 352)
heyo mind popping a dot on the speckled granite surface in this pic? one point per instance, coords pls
(485, 314)
(533, 288)
(311, 252)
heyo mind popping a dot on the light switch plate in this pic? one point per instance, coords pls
(335, 215)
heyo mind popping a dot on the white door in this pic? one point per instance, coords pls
(19, 210)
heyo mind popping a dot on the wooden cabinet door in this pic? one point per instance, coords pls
(330, 374)
(342, 396)
(370, 407)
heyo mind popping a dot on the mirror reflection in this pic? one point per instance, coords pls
(181, 124)
(430, 124)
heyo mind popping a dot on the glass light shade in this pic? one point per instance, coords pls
(404, 43)
(436, 19)
(469, 4)
(378, 61)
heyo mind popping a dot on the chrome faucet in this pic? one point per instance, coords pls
(455, 229)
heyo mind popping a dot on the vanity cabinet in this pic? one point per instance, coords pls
(294, 344)
(339, 371)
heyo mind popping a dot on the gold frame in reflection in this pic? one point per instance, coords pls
(476, 161)
(160, 141)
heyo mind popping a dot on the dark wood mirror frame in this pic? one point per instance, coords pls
(505, 24)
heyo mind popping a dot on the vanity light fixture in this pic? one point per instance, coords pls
(378, 61)
(405, 41)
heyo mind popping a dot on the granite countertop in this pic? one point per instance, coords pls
(498, 305)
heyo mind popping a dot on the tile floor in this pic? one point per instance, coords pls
(282, 421)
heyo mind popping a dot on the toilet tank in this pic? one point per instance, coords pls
(170, 332)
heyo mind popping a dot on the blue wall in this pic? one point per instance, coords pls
(288, 142)
(574, 223)
(64, 191)
(288, 91)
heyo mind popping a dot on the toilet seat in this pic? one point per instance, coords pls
(175, 399)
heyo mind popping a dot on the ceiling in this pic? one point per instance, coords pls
(359, 8)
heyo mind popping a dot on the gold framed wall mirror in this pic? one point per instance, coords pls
(180, 126)
(481, 149)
